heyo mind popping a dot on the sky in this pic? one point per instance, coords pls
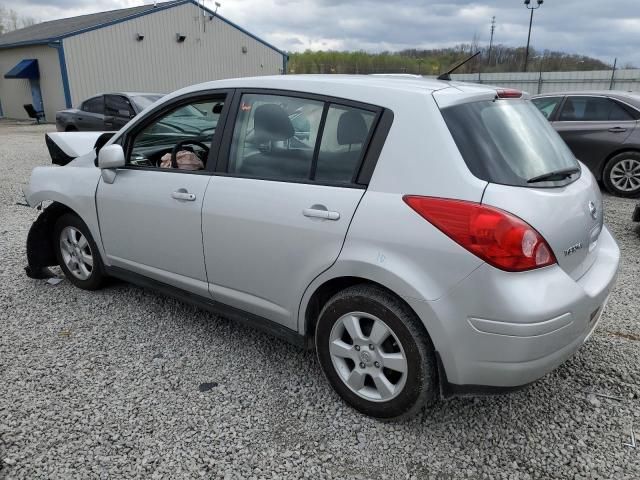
(598, 28)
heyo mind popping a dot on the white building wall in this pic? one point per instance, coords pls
(14, 92)
(111, 59)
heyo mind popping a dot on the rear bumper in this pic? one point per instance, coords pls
(503, 329)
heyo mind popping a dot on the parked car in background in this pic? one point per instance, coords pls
(107, 112)
(409, 230)
(601, 128)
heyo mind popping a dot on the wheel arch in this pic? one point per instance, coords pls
(325, 287)
(40, 245)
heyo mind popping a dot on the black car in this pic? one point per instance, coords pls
(601, 128)
(107, 112)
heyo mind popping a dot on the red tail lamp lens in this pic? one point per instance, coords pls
(497, 237)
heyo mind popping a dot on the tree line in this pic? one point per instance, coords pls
(501, 58)
(11, 20)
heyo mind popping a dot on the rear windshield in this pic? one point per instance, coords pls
(507, 141)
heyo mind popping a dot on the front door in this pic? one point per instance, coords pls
(117, 112)
(277, 214)
(593, 127)
(150, 216)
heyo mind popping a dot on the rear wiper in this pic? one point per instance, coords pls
(555, 175)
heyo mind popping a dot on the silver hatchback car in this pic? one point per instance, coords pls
(427, 238)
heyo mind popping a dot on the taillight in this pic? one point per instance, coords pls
(497, 237)
(508, 93)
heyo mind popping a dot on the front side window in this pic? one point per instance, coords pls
(179, 139)
(94, 105)
(275, 136)
(592, 109)
(117, 106)
(547, 105)
(344, 138)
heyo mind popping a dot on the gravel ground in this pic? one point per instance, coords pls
(110, 385)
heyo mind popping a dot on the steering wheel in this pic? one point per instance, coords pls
(179, 145)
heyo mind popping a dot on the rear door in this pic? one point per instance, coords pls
(277, 213)
(118, 112)
(593, 127)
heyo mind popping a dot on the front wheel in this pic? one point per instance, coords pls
(77, 253)
(375, 353)
(621, 175)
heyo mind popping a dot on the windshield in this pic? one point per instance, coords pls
(143, 101)
(507, 141)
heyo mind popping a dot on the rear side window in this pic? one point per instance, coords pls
(274, 137)
(507, 141)
(94, 105)
(279, 137)
(547, 105)
(345, 135)
(592, 109)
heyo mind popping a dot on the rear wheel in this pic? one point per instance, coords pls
(77, 253)
(376, 353)
(621, 175)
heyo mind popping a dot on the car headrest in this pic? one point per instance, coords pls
(272, 123)
(351, 128)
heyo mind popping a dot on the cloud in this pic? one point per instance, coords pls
(589, 27)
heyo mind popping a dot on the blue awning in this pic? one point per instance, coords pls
(24, 69)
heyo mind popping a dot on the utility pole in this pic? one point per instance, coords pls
(527, 3)
(493, 29)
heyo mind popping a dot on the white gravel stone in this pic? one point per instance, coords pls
(118, 395)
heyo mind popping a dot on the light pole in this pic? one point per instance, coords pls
(527, 3)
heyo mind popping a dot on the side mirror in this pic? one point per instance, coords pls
(110, 158)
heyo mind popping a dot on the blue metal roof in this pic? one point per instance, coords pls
(27, 68)
(56, 30)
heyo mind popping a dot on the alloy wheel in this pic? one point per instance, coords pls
(625, 175)
(368, 356)
(76, 253)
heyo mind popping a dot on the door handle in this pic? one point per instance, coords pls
(617, 130)
(183, 195)
(320, 211)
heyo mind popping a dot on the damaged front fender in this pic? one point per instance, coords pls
(40, 247)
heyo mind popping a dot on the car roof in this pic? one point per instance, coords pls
(373, 89)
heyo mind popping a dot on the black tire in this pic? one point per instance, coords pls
(614, 162)
(420, 384)
(97, 276)
(71, 128)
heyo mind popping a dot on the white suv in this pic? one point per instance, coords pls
(427, 238)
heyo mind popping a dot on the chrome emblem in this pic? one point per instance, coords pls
(365, 357)
(593, 210)
(573, 249)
